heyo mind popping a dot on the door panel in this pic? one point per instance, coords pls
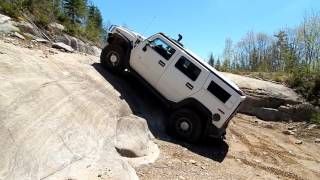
(182, 79)
(150, 60)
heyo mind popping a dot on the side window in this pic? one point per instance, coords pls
(219, 92)
(164, 49)
(188, 68)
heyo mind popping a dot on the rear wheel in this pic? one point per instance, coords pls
(186, 125)
(113, 58)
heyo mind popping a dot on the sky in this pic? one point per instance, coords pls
(205, 24)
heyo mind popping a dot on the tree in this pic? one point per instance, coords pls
(44, 11)
(225, 66)
(309, 37)
(75, 9)
(211, 60)
(94, 26)
(218, 64)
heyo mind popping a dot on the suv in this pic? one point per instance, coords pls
(201, 100)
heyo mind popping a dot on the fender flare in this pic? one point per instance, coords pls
(122, 41)
(193, 104)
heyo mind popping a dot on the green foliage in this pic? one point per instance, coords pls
(11, 8)
(211, 60)
(94, 26)
(315, 118)
(225, 66)
(62, 18)
(80, 19)
(291, 55)
(75, 9)
(218, 64)
(306, 83)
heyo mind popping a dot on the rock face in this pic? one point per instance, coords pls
(60, 119)
(31, 31)
(16, 34)
(63, 46)
(78, 45)
(270, 101)
(6, 25)
(133, 141)
(57, 26)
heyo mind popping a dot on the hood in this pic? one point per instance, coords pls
(131, 35)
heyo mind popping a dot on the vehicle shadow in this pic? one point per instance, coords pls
(144, 104)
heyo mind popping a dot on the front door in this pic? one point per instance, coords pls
(151, 57)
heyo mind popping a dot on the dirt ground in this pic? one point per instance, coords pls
(253, 149)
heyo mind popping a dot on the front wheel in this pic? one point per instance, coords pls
(186, 125)
(113, 58)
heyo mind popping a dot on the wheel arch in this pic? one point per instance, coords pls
(123, 42)
(195, 105)
(204, 113)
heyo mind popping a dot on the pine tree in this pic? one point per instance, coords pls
(225, 66)
(211, 60)
(75, 9)
(94, 26)
(218, 64)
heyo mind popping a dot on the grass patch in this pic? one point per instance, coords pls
(315, 118)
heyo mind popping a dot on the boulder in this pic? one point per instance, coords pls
(16, 34)
(25, 27)
(271, 101)
(57, 26)
(63, 46)
(134, 141)
(288, 132)
(41, 40)
(6, 25)
(77, 44)
(29, 28)
(94, 50)
(30, 36)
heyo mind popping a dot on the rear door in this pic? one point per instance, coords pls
(150, 60)
(183, 78)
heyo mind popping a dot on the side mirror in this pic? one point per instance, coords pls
(148, 42)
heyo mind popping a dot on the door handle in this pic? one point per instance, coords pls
(161, 63)
(189, 85)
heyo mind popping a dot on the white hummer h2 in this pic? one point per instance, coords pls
(201, 99)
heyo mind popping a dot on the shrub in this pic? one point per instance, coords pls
(315, 118)
(306, 83)
(9, 9)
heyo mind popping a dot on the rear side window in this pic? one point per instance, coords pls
(188, 68)
(162, 48)
(219, 92)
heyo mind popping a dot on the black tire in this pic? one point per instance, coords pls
(186, 125)
(113, 58)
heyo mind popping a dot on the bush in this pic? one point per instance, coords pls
(62, 18)
(315, 118)
(9, 9)
(306, 83)
(42, 20)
